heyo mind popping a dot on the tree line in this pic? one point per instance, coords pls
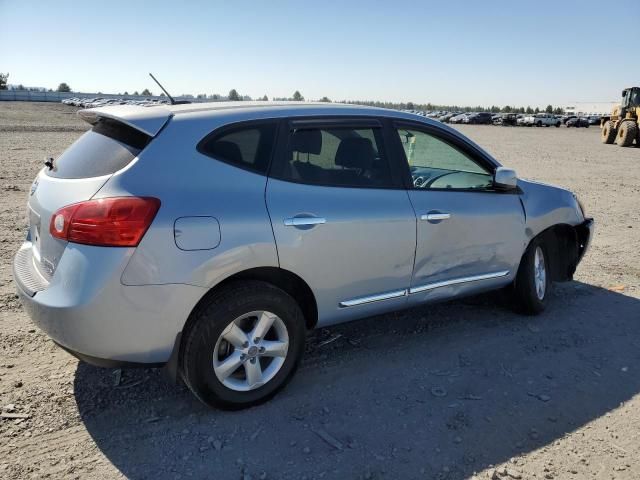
(429, 107)
(297, 97)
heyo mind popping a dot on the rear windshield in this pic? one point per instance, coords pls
(108, 147)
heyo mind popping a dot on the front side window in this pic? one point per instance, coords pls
(247, 146)
(436, 164)
(336, 156)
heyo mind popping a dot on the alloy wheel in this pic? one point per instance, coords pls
(540, 273)
(250, 351)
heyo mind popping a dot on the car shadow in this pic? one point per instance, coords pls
(439, 391)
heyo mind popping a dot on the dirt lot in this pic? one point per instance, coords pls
(439, 392)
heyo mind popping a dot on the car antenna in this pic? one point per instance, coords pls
(171, 99)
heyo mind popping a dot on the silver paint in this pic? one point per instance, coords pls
(359, 250)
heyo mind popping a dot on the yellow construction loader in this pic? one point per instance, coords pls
(623, 126)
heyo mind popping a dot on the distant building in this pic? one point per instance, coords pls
(589, 108)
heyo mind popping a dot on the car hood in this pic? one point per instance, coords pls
(535, 186)
(546, 193)
(547, 205)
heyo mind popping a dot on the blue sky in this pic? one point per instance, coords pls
(464, 52)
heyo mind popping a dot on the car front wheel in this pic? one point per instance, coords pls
(242, 345)
(533, 280)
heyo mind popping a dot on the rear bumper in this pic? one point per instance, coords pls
(105, 362)
(86, 309)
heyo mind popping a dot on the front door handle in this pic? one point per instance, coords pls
(435, 217)
(304, 221)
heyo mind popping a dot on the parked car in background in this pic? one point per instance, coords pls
(70, 101)
(577, 122)
(506, 119)
(565, 118)
(87, 102)
(541, 120)
(458, 118)
(330, 213)
(448, 116)
(479, 118)
(594, 119)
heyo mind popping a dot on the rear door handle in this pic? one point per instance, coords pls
(304, 221)
(435, 216)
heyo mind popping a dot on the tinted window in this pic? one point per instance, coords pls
(108, 147)
(245, 147)
(340, 156)
(435, 163)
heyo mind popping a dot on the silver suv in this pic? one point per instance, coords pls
(211, 237)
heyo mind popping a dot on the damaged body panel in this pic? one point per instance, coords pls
(555, 214)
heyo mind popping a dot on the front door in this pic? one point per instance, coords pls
(341, 220)
(470, 236)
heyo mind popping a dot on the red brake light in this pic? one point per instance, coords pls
(108, 222)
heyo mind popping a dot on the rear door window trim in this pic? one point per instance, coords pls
(237, 126)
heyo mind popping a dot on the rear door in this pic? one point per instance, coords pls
(470, 236)
(76, 176)
(341, 218)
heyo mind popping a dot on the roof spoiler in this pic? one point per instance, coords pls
(146, 120)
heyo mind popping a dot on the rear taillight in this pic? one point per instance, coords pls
(108, 222)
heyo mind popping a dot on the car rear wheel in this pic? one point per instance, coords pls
(533, 280)
(242, 345)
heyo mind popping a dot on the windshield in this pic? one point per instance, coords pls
(634, 98)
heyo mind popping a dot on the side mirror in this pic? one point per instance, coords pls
(505, 179)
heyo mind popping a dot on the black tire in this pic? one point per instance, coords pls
(539, 124)
(627, 133)
(558, 125)
(609, 132)
(206, 325)
(526, 297)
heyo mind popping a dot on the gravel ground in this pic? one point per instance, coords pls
(450, 391)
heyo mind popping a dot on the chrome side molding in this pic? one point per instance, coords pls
(374, 298)
(423, 288)
(456, 281)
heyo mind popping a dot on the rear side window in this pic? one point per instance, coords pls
(247, 146)
(337, 157)
(108, 147)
